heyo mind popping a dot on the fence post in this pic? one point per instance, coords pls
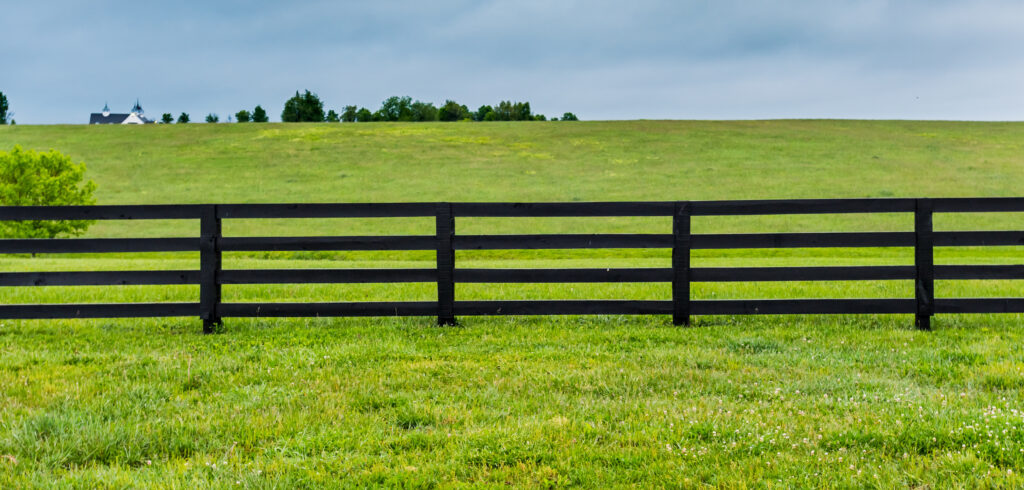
(681, 264)
(445, 265)
(209, 268)
(924, 263)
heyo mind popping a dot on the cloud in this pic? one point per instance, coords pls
(602, 59)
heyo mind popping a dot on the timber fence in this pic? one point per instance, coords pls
(211, 244)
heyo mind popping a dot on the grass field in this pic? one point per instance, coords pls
(600, 401)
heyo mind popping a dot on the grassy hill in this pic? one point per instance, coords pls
(609, 401)
(628, 160)
(588, 161)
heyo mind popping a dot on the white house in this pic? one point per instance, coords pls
(136, 116)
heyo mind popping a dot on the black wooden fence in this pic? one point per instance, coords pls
(211, 243)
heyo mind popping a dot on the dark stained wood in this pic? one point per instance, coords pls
(681, 264)
(924, 263)
(326, 276)
(98, 278)
(445, 228)
(209, 269)
(96, 245)
(115, 310)
(211, 244)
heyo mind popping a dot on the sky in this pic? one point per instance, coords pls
(61, 60)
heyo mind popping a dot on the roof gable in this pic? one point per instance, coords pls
(99, 118)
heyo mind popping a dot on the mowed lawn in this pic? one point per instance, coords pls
(784, 401)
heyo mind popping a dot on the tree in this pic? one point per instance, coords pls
(364, 115)
(212, 118)
(259, 115)
(503, 111)
(396, 109)
(167, 118)
(332, 116)
(243, 116)
(306, 107)
(521, 112)
(349, 114)
(452, 111)
(31, 178)
(423, 111)
(183, 118)
(513, 111)
(482, 112)
(3, 108)
(568, 116)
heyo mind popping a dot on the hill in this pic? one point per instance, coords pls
(552, 161)
(608, 401)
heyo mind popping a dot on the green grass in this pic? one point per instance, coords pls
(786, 401)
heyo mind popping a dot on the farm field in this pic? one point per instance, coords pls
(834, 401)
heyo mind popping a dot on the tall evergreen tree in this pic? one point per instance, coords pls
(305, 107)
(259, 115)
(3, 108)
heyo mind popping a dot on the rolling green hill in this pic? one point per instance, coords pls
(553, 161)
(628, 160)
(607, 401)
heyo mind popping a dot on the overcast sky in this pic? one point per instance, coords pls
(714, 59)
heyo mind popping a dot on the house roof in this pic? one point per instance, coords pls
(99, 118)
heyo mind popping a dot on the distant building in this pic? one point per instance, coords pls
(136, 116)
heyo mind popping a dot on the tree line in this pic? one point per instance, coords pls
(307, 107)
(3, 110)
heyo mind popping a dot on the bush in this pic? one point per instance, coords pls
(243, 116)
(568, 116)
(167, 118)
(31, 178)
(212, 118)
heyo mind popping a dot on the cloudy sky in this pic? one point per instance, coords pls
(671, 59)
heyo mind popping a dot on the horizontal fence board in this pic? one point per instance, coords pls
(707, 274)
(706, 241)
(979, 204)
(318, 243)
(802, 240)
(61, 213)
(979, 305)
(562, 209)
(98, 278)
(562, 275)
(563, 307)
(801, 206)
(801, 306)
(755, 274)
(524, 242)
(979, 272)
(326, 276)
(326, 210)
(114, 310)
(399, 308)
(97, 245)
(506, 209)
(978, 238)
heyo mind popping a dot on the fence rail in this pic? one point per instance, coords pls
(211, 244)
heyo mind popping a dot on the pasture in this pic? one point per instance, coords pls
(597, 401)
